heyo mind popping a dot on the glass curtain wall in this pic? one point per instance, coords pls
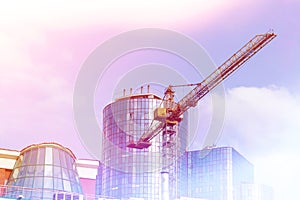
(217, 173)
(46, 166)
(129, 172)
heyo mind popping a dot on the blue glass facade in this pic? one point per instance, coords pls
(217, 173)
(98, 186)
(212, 173)
(127, 172)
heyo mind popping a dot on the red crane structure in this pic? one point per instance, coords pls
(171, 113)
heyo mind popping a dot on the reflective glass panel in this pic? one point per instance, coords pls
(39, 170)
(57, 171)
(41, 159)
(56, 159)
(33, 157)
(48, 156)
(48, 182)
(58, 183)
(67, 185)
(38, 182)
(48, 170)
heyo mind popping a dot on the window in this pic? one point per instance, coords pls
(38, 182)
(48, 182)
(67, 185)
(56, 160)
(48, 170)
(58, 183)
(33, 157)
(48, 156)
(41, 158)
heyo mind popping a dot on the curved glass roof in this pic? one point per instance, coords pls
(48, 166)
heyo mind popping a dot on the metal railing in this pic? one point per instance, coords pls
(13, 192)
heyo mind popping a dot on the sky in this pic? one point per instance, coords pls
(43, 46)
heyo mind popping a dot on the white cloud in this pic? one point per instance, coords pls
(263, 124)
(262, 117)
(281, 171)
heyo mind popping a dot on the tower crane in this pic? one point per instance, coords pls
(171, 113)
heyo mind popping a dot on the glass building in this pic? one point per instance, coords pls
(214, 173)
(137, 173)
(46, 168)
(217, 173)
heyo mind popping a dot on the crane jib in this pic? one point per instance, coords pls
(173, 114)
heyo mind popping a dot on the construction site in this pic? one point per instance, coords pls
(145, 153)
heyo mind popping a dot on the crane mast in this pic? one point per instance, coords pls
(171, 113)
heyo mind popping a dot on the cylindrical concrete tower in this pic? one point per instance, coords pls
(46, 168)
(129, 172)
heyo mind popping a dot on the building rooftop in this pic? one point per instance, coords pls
(48, 144)
(137, 96)
(8, 158)
(87, 168)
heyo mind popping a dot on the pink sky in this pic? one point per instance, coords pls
(43, 46)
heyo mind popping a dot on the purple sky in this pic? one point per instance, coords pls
(43, 46)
